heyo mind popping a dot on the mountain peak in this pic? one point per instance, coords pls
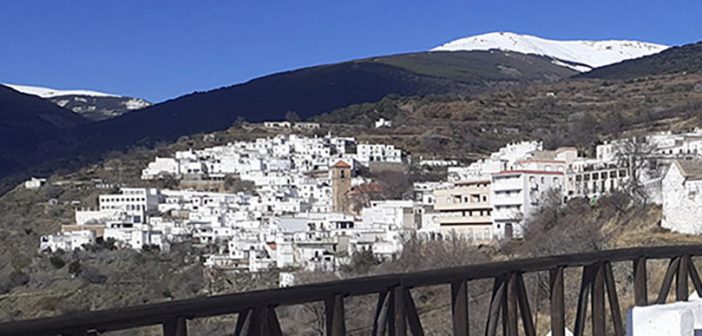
(44, 92)
(586, 54)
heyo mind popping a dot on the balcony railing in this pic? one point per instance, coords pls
(396, 313)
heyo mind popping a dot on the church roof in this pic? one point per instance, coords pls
(341, 164)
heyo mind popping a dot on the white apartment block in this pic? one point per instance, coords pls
(595, 182)
(516, 194)
(133, 202)
(465, 211)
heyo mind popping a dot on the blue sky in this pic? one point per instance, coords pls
(162, 49)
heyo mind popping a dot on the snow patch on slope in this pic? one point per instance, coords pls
(588, 54)
(136, 104)
(50, 93)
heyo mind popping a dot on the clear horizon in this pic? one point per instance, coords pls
(161, 50)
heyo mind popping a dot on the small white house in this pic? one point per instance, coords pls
(34, 183)
(682, 197)
(66, 241)
(382, 122)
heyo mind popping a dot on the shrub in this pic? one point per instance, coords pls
(75, 268)
(57, 262)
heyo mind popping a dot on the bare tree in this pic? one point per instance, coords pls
(292, 116)
(636, 153)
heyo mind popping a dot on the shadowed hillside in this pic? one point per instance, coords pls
(677, 60)
(312, 91)
(32, 130)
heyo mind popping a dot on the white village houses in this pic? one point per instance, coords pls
(298, 213)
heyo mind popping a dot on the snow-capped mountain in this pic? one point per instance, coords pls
(579, 55)
(90, 104)
(51, 93)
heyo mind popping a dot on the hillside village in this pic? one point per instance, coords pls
(310, 204)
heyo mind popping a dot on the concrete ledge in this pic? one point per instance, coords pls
(673, 319)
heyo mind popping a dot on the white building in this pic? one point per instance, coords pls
(465, 211)
(161, 167)
(134, 236)
(34, 183)
(392, 215)
(66, 241)
(133, 202)
(367, 153)
(682, 197)
(516, 194)
(498, 161)
(382, 122)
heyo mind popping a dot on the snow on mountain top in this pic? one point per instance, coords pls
(50, 93)
(591, 53)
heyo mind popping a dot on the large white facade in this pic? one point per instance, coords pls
(516, 194)
(682, 197)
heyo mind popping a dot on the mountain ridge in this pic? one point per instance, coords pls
(93, 105)
(315, 90)
(45, 92)
(584, 54)
(677, 60)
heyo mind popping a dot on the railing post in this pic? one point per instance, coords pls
(400, 320)
(585, 287)
(681, 291)
(557, 302)
(258, 321)
(412, 316)
(272, 323)
(695, 277)
(498, 293)
(524, 309)
(459, 308)
(509, 317)
(640, 282)
(598, 301)
(244, 322)
(613, 300)
(668, 280)
(381, 313)
(175, 327)
(334, 313)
